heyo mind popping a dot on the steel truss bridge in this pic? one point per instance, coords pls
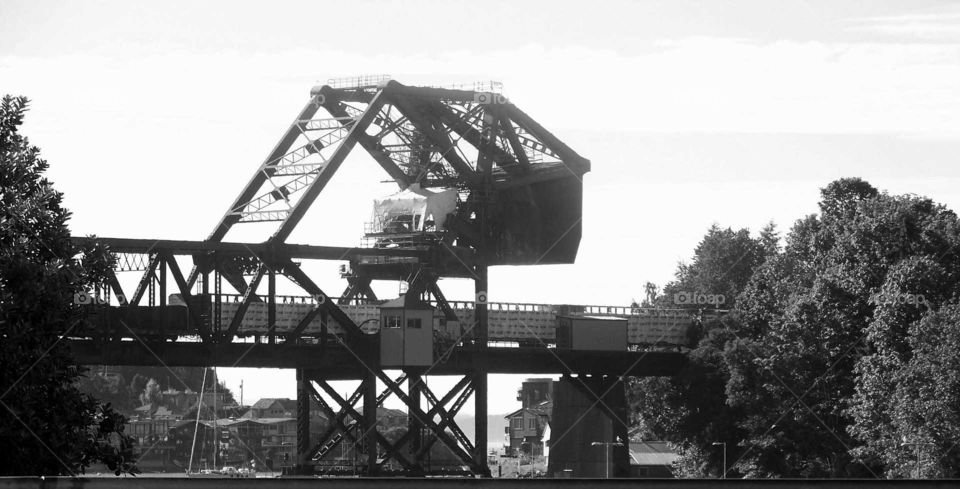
(519, 202)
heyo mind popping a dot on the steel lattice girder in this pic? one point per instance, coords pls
(510, 148)
(216, 257)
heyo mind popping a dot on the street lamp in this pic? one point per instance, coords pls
(608, 446)
(716, 443)
(918, 445)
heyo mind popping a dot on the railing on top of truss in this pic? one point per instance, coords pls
(477, 86)
(359, 81)
(504, 306)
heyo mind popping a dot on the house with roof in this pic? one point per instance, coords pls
(526, 427)
(272, 407)
(651, 459)
(524, 433)
(278, 439)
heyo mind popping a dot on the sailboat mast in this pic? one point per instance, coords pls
(196, 426)
(216, 433)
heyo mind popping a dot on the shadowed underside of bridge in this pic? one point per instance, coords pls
(339, 362)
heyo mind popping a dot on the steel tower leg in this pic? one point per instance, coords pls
(480, 377)
(480, 397)
(369, 424)
(413, 421)
(303, 424)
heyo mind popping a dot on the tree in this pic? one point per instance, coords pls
(55, 428)
(818, 383)
(925, 406)
(690, 409)
(138, 383)
(839, 358)
(128, 396)
(723, 263)
(112, 389)
(902, 394)
(150, 394)
(228, 398)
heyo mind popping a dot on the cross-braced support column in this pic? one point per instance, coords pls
(304, 465)
(357, 427)
(431, 430)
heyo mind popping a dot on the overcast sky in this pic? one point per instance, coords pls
(692, 113)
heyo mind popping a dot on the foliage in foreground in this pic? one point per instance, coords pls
(839, 357)
(47, 425)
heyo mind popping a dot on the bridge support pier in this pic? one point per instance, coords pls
(588, 432)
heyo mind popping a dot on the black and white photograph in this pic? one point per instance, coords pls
(513, 244)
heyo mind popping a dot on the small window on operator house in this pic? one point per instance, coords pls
(392, 321)
(517, 422)
(413, 323)
(532, 424)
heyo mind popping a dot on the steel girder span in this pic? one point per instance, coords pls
(519, 201)
(520, 187)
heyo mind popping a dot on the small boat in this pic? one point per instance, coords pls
(206, 474)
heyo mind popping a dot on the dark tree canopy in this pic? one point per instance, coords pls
(55, 428)
(123, 387)
(839, 358)
(690, 409)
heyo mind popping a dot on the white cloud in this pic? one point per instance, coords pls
(914, 26)
(694, 84)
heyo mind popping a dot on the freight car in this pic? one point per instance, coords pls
(525, 324)
(528, 325)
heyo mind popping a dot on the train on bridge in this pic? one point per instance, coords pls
(522, 324)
